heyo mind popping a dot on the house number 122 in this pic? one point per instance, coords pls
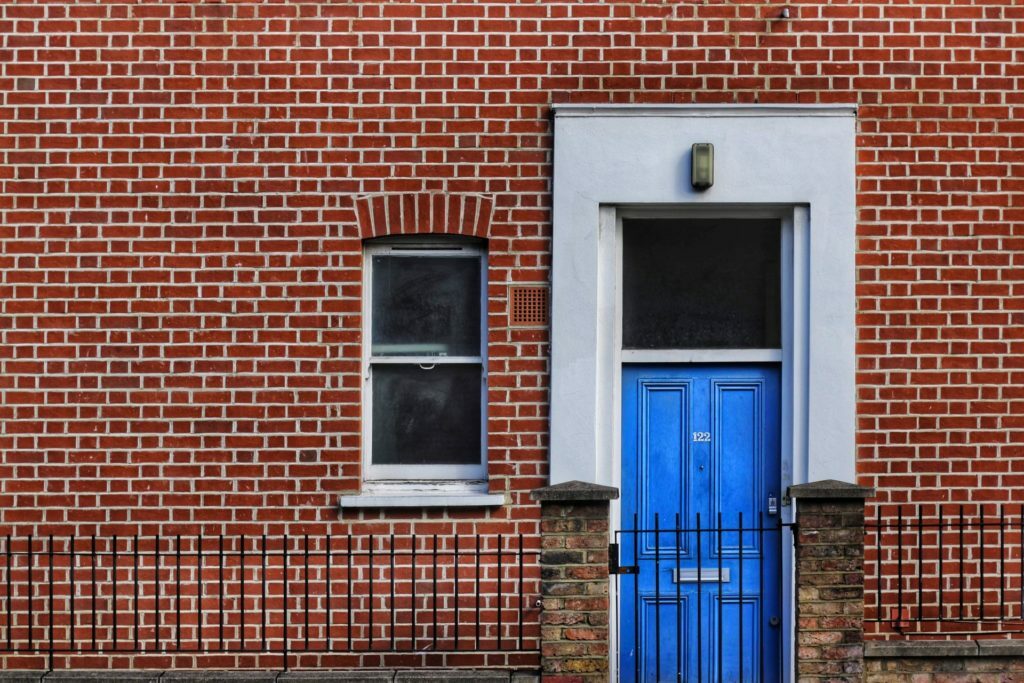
(701, 437)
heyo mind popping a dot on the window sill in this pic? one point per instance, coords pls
(421, 498)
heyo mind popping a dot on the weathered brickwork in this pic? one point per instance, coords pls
(574, 583)
(957, 669)
(830, 589)
(184, 188)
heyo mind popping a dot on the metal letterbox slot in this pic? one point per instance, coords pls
(707, 575)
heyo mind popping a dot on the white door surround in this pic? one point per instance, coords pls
(796, 163)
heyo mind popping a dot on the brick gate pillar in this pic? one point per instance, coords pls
(829, 581)
(574, 581)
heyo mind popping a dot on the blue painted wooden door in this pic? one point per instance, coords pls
(700, 444)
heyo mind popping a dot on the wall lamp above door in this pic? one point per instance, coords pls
(702, 165)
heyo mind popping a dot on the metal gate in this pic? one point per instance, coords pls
(703, 603)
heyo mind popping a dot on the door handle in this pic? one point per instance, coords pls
(706, 574)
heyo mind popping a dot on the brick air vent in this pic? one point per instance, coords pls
(528, 306)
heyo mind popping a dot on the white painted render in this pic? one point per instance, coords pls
(795, 161)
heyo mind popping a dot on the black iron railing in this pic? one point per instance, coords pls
(287, 595)
(946, 569)
(704, 569)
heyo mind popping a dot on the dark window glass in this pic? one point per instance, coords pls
(426, 306)
(426, 417)
(701, 283)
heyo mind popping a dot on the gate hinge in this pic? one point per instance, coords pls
(613, 562)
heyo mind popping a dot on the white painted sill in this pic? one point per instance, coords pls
(384, 496)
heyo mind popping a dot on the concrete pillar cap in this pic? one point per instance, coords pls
(575, 491)
(829, 489)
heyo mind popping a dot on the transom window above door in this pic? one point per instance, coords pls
(701, 283)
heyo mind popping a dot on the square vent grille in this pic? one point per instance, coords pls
(528, 306)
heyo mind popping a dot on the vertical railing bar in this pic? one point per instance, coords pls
(522, 592)
(241, 592)
(31, 593)
(637, 648)
(263, 593)
(415, 542)
(739, 598)
(391, 570)
(942, 559)
(114, 597)
(679, 604)
(618, 637)
(455, 563)
(981, 561)
(878, 562)
(220, 592)
(700, 617)
(305, 589)
(500, 600)
(899, 564)
(657, 597)
(73, 559)
(156, 594)
(433, 598)
(960, 577)
(781, 528)
(1002, 561)
(7, 594)
(135, 581)
(199, 595)
(327, 572)
(49, 623)
(284, 591)
(476, 589)
(720, 614)
(920, 563)
(762, 555)
(348, 591)
(177, 593)
(92, 590)
(370, 575)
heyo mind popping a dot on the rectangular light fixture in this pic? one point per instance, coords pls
(702, 165)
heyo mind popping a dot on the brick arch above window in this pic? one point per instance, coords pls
(378, 215)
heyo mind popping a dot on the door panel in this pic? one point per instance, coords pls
(700, 450)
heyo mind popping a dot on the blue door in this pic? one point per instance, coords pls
(700, 448)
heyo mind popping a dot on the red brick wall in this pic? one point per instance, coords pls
(179, 236)
(181, 255)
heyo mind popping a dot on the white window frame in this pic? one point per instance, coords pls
(410, 474)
